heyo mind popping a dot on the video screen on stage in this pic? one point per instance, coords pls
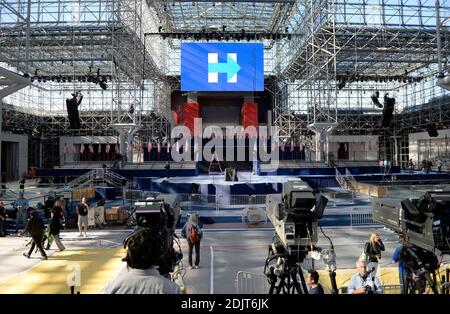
(222, 67)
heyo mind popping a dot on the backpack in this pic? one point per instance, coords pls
(193, 234)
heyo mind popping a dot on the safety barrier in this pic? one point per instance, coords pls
(360, 217)
(216, 201)
(250, 283)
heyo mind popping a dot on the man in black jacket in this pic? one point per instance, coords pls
(35, 227)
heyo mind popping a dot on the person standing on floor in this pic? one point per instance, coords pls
(399, 256)
(3, 217)
(22, 185)
(35, 227)
(56, 226)
(193, 233)
(373, 249)
(4, 180)
(439, 165)
(21, 205)
(411, 166)
(83, 210)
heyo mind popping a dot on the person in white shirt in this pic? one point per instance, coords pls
(363, 282)
(141, 275)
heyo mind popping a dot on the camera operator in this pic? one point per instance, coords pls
(141, 276)
(399, 257)
(363, 282)
(21, 205)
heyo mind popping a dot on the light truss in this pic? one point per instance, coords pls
(330, 38)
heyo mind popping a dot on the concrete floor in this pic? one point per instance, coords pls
(224, 252)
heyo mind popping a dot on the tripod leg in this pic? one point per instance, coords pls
(334, 287)
(302, 278)
(281, 285)
(431, 282)
(296, 285)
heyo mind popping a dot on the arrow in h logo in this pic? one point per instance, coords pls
(231, 68)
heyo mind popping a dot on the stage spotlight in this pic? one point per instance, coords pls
(103, 85)
(39, 79)
(44, 79)
(69, 79)
(64, 79)
(32, 79)
(131, 110)
(58, 79)
(160, 29)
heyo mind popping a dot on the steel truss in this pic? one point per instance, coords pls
(331, 41)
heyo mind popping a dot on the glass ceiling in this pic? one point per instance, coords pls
(193, 16)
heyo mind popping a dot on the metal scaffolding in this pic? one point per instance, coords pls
(338, 53)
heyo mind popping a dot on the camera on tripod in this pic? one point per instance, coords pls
(424, 221)
(157, 215)
(424, 224)
(294, 215)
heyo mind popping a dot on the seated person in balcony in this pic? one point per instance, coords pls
(364, 282)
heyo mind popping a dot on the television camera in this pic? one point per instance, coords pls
(424, 225)
(157, 215)
(295, 214)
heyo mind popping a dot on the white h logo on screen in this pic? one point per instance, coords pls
(231, 68)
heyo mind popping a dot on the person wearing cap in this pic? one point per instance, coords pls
(35, 227)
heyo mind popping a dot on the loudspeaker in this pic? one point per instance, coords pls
(230, 174)
(72, 112)
(432, 130)
(375, 100)
(388, 111)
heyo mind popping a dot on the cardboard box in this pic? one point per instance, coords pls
(78, 194)
(111, 217)
(123, 215)
(112, 210)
